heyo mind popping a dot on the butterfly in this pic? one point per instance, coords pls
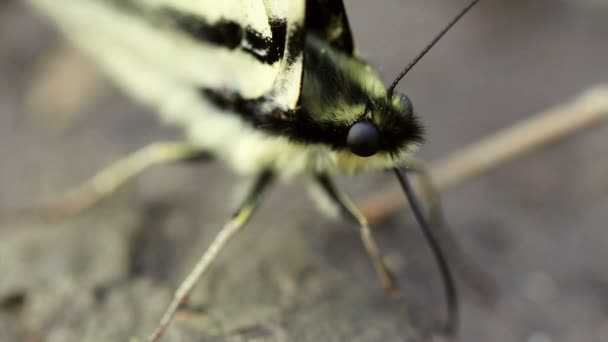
(274, 89)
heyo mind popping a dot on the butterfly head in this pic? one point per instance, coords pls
(388, 125)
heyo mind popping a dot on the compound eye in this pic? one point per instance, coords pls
(363, 139)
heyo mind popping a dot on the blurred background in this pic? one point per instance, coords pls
(537, 225)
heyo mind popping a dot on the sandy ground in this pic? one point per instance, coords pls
(538, 225)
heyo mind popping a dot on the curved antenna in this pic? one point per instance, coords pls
(421, 54)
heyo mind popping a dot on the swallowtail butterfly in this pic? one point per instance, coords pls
(272, 88)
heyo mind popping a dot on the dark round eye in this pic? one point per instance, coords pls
(363, 139)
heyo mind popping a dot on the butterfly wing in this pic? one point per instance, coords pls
(163, 49)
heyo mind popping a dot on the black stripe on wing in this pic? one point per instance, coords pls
(301, 128)
(224, 33)
(232, 35)
(328, 20)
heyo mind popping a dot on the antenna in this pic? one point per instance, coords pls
(421, 54)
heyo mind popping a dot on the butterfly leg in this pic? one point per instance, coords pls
(108, 180)
(351, 211)
(233, 226)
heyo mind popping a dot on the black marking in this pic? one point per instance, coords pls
(13, 301)
(231, 35)
(296, 127)
(296, 43)
(299, 126)
(201, 156)
(278, 28)
(225, 33)
(328, 20)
